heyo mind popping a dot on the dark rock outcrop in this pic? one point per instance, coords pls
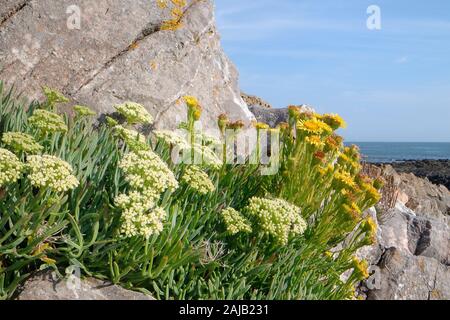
(273, 117)
(255, 101)
(437, 171)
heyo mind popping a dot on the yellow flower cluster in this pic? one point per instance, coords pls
(134, 113)
(360, 269)
(10, 167)
(277, 218)
(261, 126)
(47, 122)
(353, 211)
(334, 121)
(314, 126)
(148, 177)
(235, 222)
(370, 228)
(222, 123)
(134, 140)
(333, 143)
(82, 111)
(198, 180)
(21, 142)
(371, 194)
(343, 180)
(315, 141)
(51, 172)
(194, 108)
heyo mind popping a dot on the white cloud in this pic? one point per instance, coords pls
(402, 60)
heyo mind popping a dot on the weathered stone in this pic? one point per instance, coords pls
(424, 197)
(407, 277)
(46, 286)
(251, 100)
(273, 117)
(9, 8)
(120, 53)
(414, 239)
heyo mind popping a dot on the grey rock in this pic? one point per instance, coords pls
(46, 286)
(273, 117)
(425, 198)
(407, 277)
(251, 100)
(416, 235)
(121, 54)
(414, 241)
(9, 7)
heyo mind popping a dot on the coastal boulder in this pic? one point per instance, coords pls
(102, 53)
(47, 286)
(409, 277)
(411, 258)
(273, 117)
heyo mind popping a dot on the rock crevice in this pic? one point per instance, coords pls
(10, 8)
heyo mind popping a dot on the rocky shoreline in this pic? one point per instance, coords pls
(437, 171)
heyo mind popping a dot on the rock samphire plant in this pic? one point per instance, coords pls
(112, 202)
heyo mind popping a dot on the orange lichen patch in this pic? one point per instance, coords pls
(134, 46)
(161, 3)
(177, 13)
(153, 65)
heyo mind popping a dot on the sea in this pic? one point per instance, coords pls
(382, 152)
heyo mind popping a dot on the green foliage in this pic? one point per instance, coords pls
(193, 256)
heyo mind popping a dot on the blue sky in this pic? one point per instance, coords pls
(391, 84)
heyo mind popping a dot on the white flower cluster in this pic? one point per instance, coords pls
(47, 122)
(204, 152)
(139, 215)
(134, 113)
(235, 222)
(148, 177)
(134, 140)
(277, 218)
(144, 170)
(209, 140)
(172, 138)
(209, 156)
(10, 167)
(21, 142)
(51, 172)
(198, 180)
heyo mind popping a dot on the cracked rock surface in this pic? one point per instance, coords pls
(119, 54)
(411, 259)
(47, 286)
